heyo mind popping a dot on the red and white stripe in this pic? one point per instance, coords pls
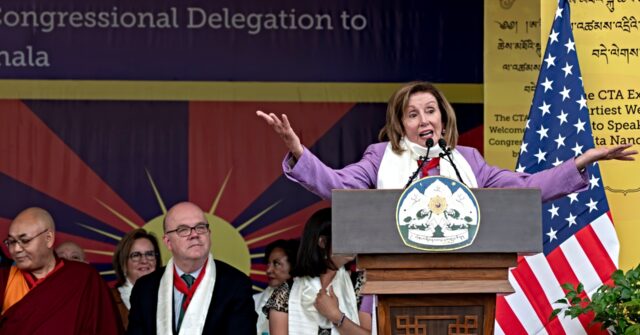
(589, 257)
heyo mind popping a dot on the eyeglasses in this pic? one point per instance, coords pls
(136, 256)
(184, 231)
(11, 242)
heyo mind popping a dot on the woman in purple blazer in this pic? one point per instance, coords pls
(418, 115)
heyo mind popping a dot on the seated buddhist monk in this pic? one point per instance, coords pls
(43, 294)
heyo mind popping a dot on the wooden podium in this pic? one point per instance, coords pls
(421, 292)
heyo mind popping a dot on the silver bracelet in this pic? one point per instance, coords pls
(339, 323)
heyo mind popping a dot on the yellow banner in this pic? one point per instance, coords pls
(511, 65)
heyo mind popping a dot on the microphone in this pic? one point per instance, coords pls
(446, 154)
(429, 144)
(443, 144)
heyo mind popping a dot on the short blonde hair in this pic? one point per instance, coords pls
(393, 129)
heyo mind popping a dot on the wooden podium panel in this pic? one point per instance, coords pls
(437, 273)
(437, 294)
(436, 314)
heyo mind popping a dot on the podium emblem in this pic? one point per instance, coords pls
(437, 214)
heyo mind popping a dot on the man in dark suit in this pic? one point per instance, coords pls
(193, 294)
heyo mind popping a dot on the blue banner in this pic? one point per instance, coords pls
(320, 41)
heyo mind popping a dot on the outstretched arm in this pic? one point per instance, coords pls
(304, 168)
(283, 128)
(619, 152)
(555, 182)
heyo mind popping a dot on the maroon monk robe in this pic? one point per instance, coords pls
(73, 300)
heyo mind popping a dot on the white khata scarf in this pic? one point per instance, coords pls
(260, 299)
(194, 318)
(395, 170)
(304, 319)
(125, 293)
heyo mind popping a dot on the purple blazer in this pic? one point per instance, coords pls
(320, 179)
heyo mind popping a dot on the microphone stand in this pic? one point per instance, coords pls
(446, 154)
(424, 160)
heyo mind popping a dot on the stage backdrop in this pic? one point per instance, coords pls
(112, 111)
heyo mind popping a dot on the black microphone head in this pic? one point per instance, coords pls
(442, 143)
(429, 142)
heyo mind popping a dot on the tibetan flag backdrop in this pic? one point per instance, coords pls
(107, 123)
(580, 243)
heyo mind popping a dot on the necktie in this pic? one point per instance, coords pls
(188, 279)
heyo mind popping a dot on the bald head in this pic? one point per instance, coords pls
(31, 237)
(35, 216)
(179, 211)
(71, 251)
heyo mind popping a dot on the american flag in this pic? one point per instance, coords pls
(579, 240)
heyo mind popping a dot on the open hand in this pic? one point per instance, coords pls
(618, 152)
(284, 130)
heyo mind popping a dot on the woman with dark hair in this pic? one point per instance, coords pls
(137, 254)
(322, 299)
(280, 256)
(416, 113)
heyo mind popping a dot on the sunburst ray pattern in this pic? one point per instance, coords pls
(126, 163)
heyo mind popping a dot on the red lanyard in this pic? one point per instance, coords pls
(430, 165)
(181, 286)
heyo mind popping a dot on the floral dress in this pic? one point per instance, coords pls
(279, 299)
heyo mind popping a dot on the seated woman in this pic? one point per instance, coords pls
(280, 256)
(322, 298)
(418, 112)
(137, 254)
